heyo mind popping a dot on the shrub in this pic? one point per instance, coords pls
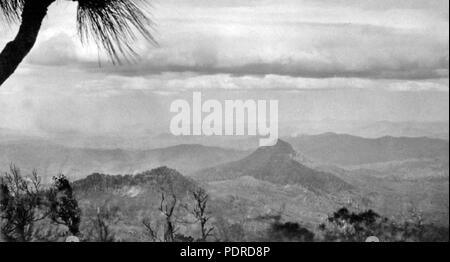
(289, 232)
(22, 204)
(64, 208)
(346, 226)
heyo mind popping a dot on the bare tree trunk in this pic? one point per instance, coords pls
(15, 51)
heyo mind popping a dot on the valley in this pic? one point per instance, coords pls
(393, 176)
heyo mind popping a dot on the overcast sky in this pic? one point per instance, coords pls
(323, 59)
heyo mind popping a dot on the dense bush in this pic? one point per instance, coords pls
(64, 208)
(346, 226)
(289, 232)
(22, 204)
(29, 212)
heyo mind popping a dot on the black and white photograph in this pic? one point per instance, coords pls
(231, 121)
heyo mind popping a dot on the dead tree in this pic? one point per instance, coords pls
(151, 230)
(167, 208)
(200, 212)
(101, 228)
(22, 204)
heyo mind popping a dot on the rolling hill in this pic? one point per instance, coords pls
(129, 199)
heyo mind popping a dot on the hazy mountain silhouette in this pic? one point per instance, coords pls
(276, 164)
(351, 150)
(50, 159)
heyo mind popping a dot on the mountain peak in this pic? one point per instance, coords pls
(281, 150)
(276, 164)
(283, 144)
(281, 147)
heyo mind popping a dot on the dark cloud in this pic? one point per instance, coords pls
(333, 51)
(407, 72)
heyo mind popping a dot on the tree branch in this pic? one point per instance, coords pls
(15, 51)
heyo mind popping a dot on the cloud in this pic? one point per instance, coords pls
(57, 50)
(404, 40)
(297, 50)
(339, 59)
(324, 40)
(176, 83)
(436, 5)
(100, 103)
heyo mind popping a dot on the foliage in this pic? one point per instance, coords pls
(113, 25)
(290, 232)
(64, 208)
(11, 9)
(29, 212)
(20, 202)
(346, 226)
(286, 231)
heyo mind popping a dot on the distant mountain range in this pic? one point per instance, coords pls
(139, 138)
(340, 149)
(76, 163)
(370, 129)
(403, 129)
